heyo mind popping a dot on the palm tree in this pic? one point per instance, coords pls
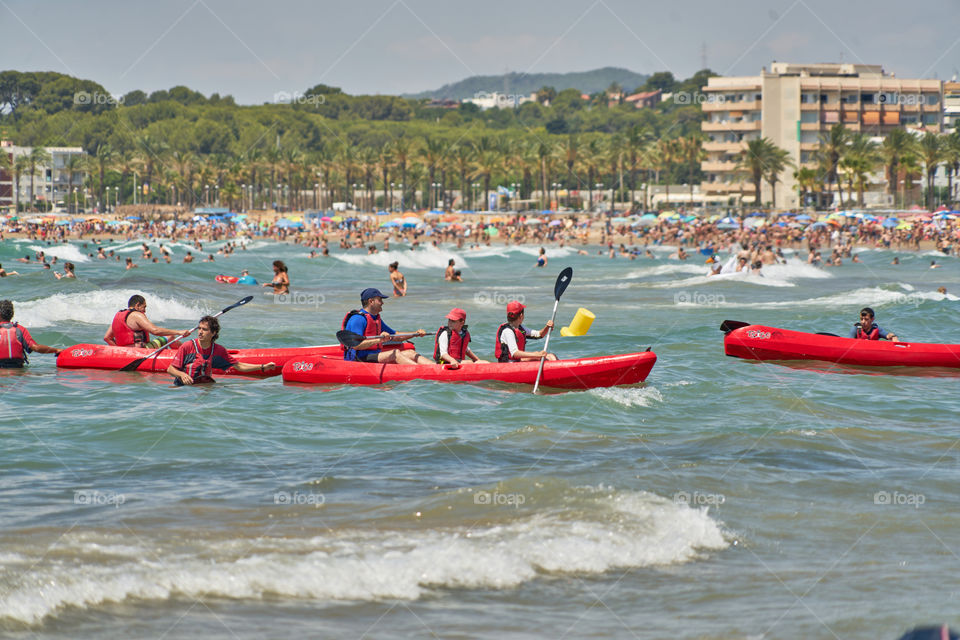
(431, 153)
(74, 166)
(104, 157)
(486, 163)
(931, 153)
(806, 182)
(590, 159)
(861, 159)
(896, 145)
(384, 164)
(567, 151)
(637, 138)
(665, 158)
(691, 153)
(38, 157)
(367, 164)
(402, 150)
(833, 146)
(614, 159)
(755, 160)
(910, 169)
(21, 165)
(951, 156)
(150, 153)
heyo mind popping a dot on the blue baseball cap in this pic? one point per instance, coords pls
(366, 294)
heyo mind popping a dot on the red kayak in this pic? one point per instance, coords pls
(760, 342)
(102, 356)
(579, 373)
(227, 279)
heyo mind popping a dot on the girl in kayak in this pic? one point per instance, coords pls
(196, 360)
(451, 345)
(867, 329)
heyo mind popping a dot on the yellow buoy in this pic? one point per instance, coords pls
(580, 323)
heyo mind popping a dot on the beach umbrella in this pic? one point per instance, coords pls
(534, 221)
(904, 225)
(555, 223)
(492, 231)
(442, 225)
(890, 223)
(414, 220)
(619, 220)
(132, 218)
(326, 219)
(803, 218)
(389, 223)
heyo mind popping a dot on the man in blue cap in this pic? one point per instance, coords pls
(367, 323)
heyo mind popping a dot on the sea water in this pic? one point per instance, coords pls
(720, 499)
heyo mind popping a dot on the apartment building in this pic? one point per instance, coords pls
(51, 182)
(951, 106)
(793, 105)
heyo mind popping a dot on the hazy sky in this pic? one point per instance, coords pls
(253, 50)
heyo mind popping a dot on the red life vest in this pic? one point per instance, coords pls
(501, 351)
(201, 369)
(873, 335)
(373, 327)
(123, 335)
(457, 345)
(11, 342)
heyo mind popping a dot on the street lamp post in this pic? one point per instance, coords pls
(473, 194)
(75, 200)
(401, 195)
(316, 203)
(216, 194)
(556, 193)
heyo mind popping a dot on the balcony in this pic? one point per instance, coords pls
(714, 165)
(731, 126)
(724, 146)
(726, 187)
(725, 105)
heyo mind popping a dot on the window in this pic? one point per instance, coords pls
(808, 98)
(931, 98)
(809, 117)
(931, 118)
(868, 98)
(909, 118)
(850, 98)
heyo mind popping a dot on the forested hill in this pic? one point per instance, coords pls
(588, 82)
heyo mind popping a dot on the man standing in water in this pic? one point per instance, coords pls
(15, 340)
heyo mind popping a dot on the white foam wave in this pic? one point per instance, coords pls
(425, 259)
(620, 529)
(664, 269)
(65, 252)
(867, 296)
(99, 307)
(632, 397)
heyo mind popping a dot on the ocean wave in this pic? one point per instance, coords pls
(99, 307)
(629, 397)
(424, 259)
(601, 530)
(65, 252)
(867, 296)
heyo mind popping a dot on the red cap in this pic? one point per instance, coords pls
(515, 307)
(457, 314)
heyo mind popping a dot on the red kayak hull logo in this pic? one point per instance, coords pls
(303, 366)
(81, 353)
(758, 335)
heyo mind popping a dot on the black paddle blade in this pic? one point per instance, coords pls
(237, 304)
(563, 280)
(729, 325)
(349, 339)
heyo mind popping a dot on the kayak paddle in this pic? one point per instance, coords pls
(563, 280)
(729, 325)
(350, 340)
(136, 363)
